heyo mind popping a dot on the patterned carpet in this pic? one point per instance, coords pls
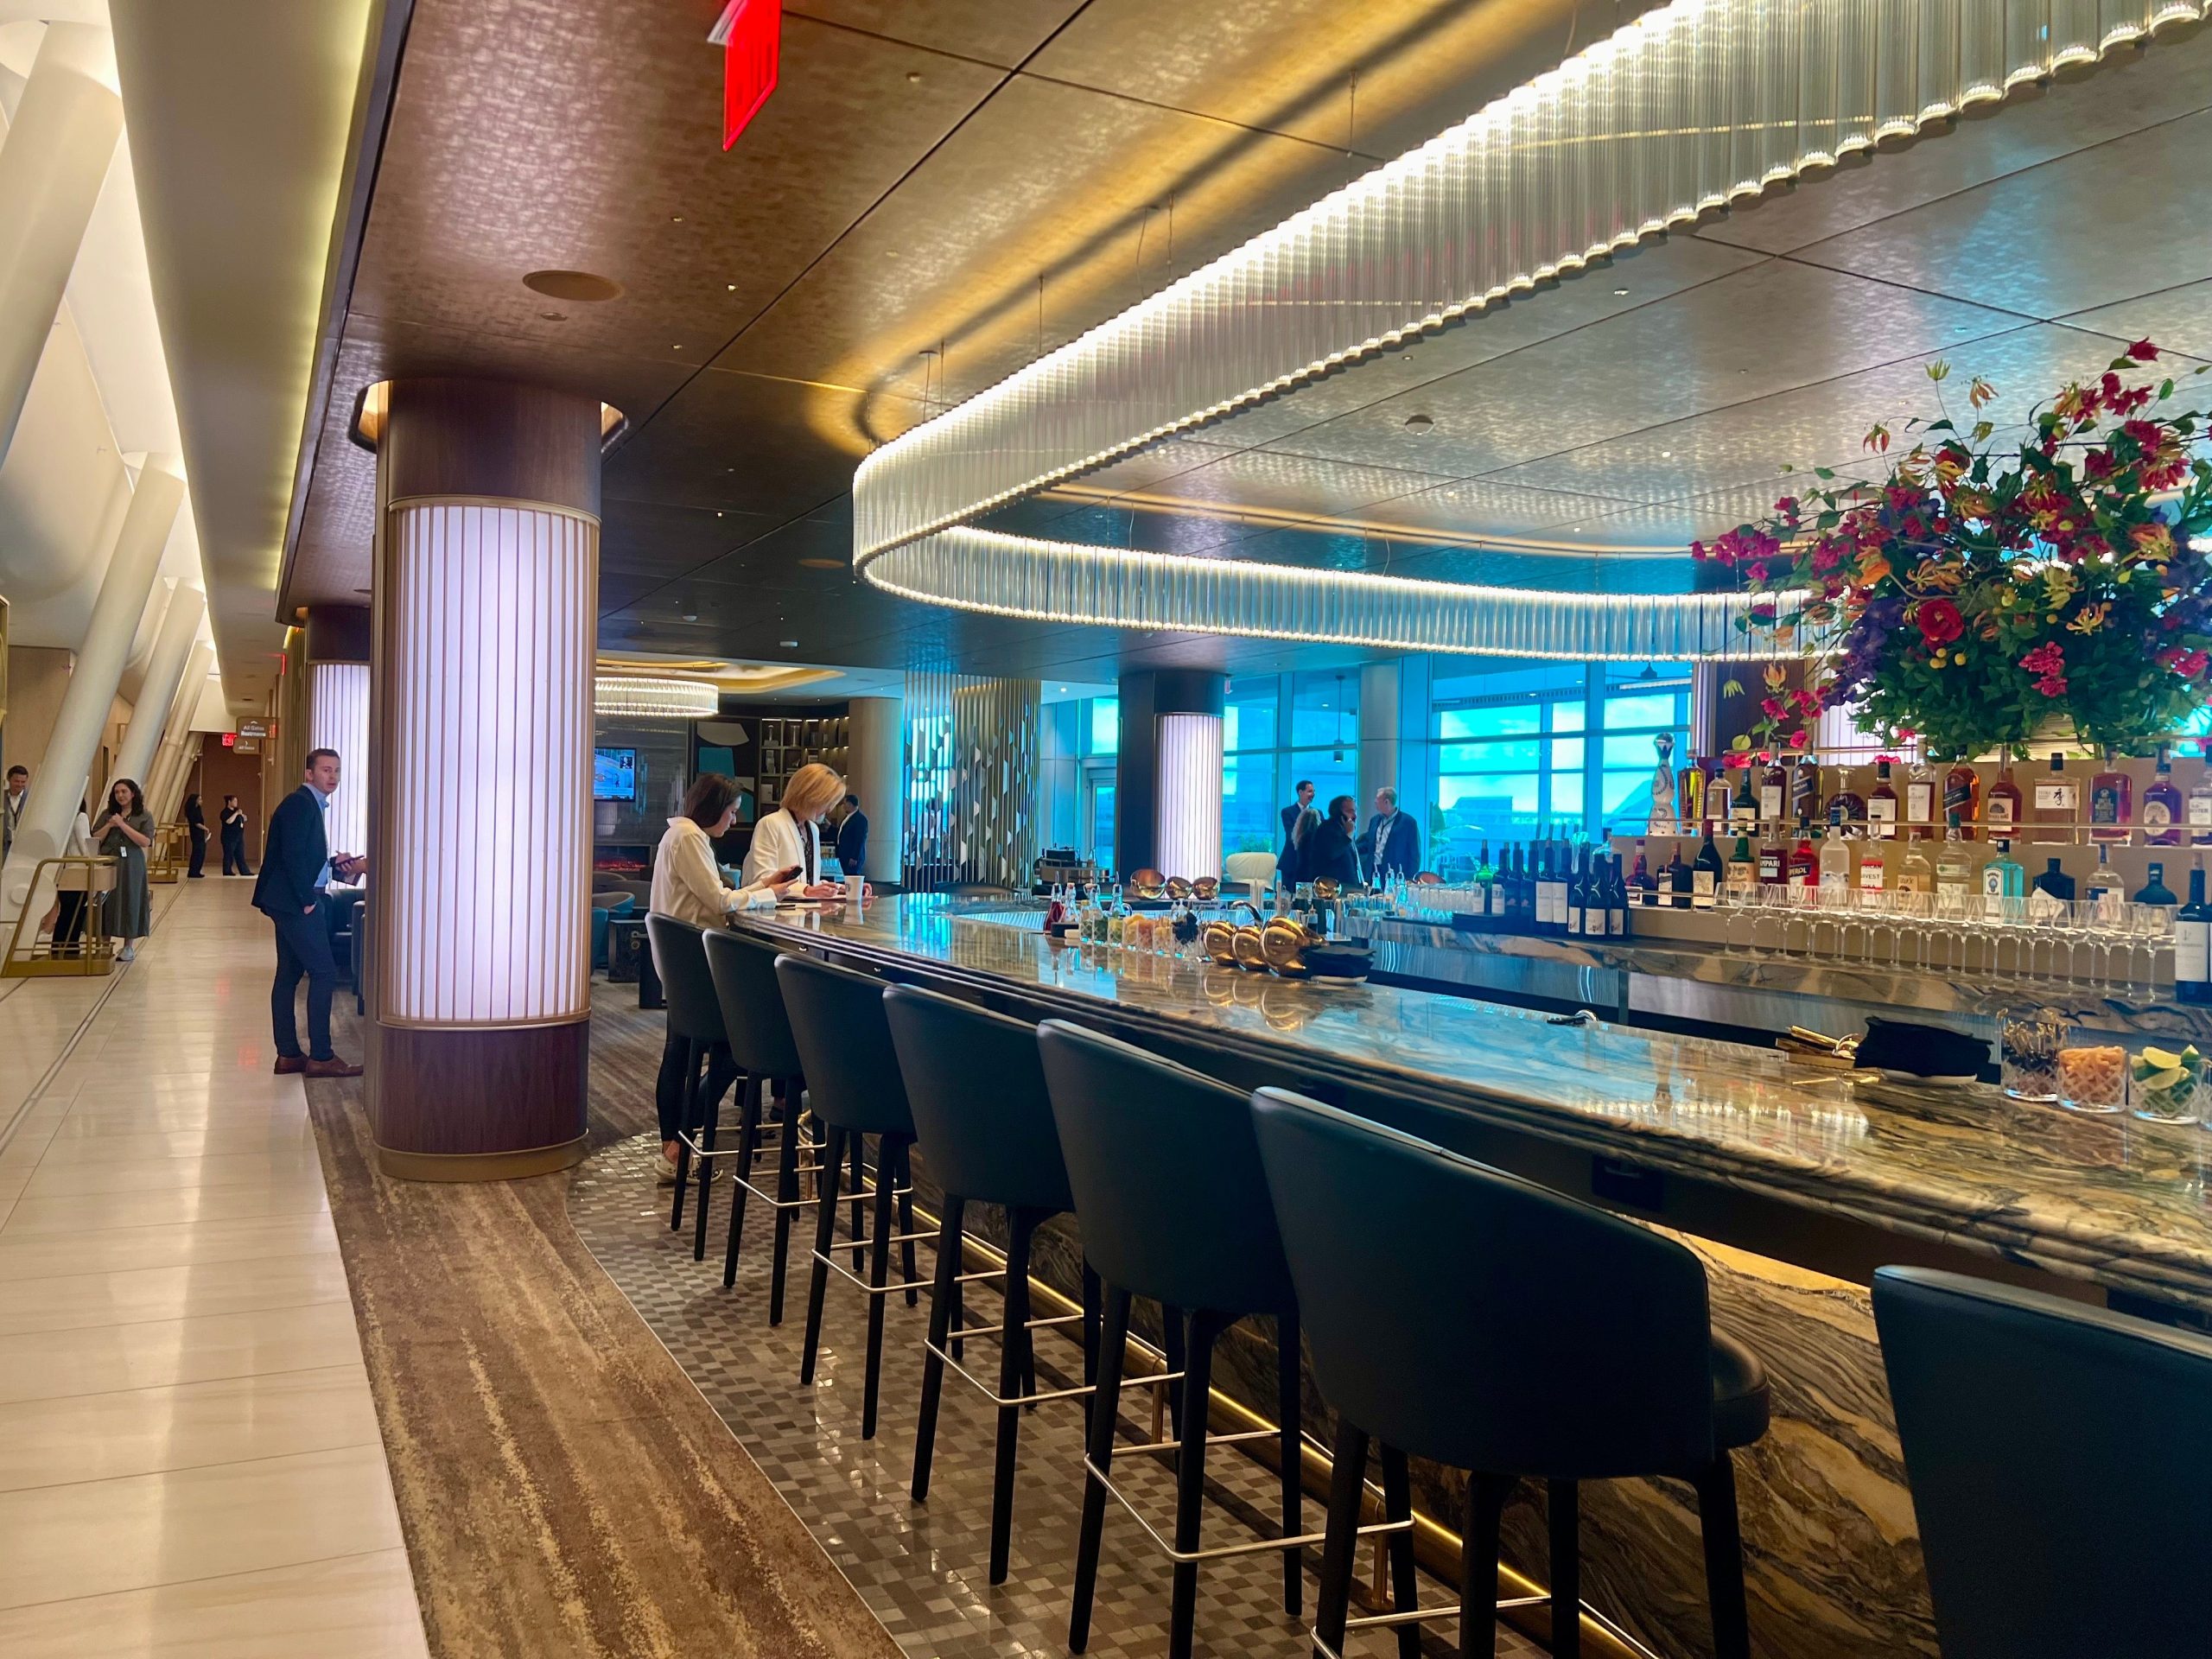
(565, 1490)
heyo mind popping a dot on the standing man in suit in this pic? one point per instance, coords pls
(11, 805)
(296, 865)
(852, 838)
(1391, 844)
(1285, 861)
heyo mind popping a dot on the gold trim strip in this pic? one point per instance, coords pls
(481, 1165)
(516, 502)
(390, 1024)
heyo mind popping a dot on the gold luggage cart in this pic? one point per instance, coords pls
(165, 858)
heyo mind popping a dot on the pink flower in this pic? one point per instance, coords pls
(2052, 685)
(1796, 741)
(2143, 352)
(1939, 622)
(1774, 709)
(2046, 658)
(1826, 557)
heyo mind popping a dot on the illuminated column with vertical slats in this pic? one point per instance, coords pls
(1189, 795)
(338, 713)
(479, 835)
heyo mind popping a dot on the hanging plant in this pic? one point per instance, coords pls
(1979, 590)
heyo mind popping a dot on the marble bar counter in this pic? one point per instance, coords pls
(1672, 982)
(1791, 1185)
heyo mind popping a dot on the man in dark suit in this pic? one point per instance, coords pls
(852, 838)
(296, 865)
(1391, 845)
(1285, 861)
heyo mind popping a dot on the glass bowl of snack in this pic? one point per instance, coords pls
(2027, 1053)
(2093, 1077)
(2163, 1084)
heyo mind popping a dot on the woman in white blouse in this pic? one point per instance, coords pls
(792, 833)
(687, 887)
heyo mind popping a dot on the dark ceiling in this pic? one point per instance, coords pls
(922, 165)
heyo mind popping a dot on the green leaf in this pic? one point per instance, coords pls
(1826, 472)
(1731, 688)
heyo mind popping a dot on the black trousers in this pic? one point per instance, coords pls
(235, 853)
(303, 947)
(199, 865)
(668, 1088)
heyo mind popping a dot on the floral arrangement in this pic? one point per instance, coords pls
(1980, 588)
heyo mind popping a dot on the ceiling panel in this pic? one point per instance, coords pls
(1001, 31)
(1762, 330)
(2177, 319)
(2103, 225)
(751, 442)
(642, 538)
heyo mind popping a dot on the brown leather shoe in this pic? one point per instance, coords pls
(332, 1068)
(288, 1065)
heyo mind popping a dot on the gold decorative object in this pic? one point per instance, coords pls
(1250, 951)
(1218, 938)
(1206, 889)
(1177, 888)
(1147, 884)
(1283, 942)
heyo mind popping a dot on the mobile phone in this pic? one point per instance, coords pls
(790, 872)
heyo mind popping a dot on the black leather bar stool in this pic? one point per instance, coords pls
(2060, 1460)
(694, 1017)
(854, 1090)
(1174, 1207)
(985, 1124)
(751, 1000)
(1464, 1315)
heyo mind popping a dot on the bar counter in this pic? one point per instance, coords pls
(1792, 1185)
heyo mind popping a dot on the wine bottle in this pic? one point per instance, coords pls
(2193, 944)
(1705, 874)
(2155, 891)
(1881, 804)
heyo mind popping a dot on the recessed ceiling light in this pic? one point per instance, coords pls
(913, 77)
(788, 645)
(676, 348)
(823, 564)
(690, 616)
(1666, 454)
(1620, 293)
(676, 219)
(554, 316)
(1419, 425)
(732, 287)
(576, 285)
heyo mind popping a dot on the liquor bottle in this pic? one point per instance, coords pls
(2111, 804)
(2200, 809)
(1617, 905)
(1805, 793)
(1642, 887)
(1598, 898)
(2162, 805)
(1915, 873)
(1953, 867)
(2056, 804)
(2193, 944)
(1962, 799)
(1805, 863)
(1873, 874)
(1774, 862)
(1835, 860)
(1689, 792)
(1577, 880)
(2054, 883)
(1682, 883)
(1744, 805)
(1705, 874)
(1846, 805)
(2002, 814)
(2001, 879)
(1773, 791)
(2102, 891)
(2155, 891)
(1743, 871)
(1882, 803)
(1920, 795)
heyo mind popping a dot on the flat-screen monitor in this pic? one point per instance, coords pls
(614, 774)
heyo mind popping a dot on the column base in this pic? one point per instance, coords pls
(481, 1166)
(478, 1103)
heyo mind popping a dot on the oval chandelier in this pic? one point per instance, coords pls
(655, 699)
(1695, 107)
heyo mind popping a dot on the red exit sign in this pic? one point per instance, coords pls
(750, 33)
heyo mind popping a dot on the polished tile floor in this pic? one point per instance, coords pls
(189, 1459)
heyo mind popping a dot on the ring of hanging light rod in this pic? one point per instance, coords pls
(1691, 109)
(645, 696)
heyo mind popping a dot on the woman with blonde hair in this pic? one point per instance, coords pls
(792, 833)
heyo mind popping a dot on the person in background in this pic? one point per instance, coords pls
(195, 819)
(791, 835)
(852, 838)
(124, 829)
(1391, 845)
(687, 887)
(1328, 850)
(1292, 817)
(11, 805)
(296, 865)
(232, 822)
